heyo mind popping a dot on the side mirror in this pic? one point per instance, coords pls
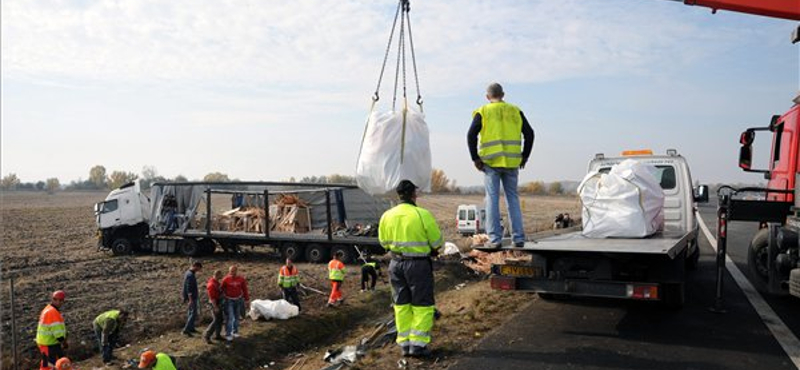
(97, 208)
(701, 194)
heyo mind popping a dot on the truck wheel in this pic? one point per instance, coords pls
(121, 247)
(758, 259)
(347, 254)
(292, 251)
(189, 247)
(691, 262)
(316, 253)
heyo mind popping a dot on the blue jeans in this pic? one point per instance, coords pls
(192, 317)
(493, 177)
(232, 310)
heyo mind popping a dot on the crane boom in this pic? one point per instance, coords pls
(786, 9)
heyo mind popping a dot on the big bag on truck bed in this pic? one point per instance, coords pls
(627, 202)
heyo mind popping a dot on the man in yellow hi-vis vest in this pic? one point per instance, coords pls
(412, 237)
(501, 127)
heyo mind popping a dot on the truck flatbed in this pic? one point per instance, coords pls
(666, 243)
(281, 237)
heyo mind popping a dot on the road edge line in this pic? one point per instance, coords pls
(787, 340)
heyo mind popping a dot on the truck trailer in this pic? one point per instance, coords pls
(194, 218)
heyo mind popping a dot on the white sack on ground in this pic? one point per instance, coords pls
(280, 309)
(628, 202)
(379, 169)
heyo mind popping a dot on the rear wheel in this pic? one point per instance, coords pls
(347, 254)
(292, 251)
(758, 259)
(121, 247)
(316, 253)
(189, 247)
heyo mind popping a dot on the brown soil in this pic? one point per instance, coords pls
(48, 243)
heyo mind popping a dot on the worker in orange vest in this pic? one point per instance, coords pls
(51, 334)
(336, 273)
(288, 280)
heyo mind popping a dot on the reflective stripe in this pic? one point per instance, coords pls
(438, 242)
(501, 154)
(407, 244)
(404, 333)
(420, 333)
(412, 254)
(51, 325)
(418, 343)
(501, 142)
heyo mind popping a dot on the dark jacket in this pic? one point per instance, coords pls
(189, 286)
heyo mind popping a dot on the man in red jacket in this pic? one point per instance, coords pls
(234, 290)
(214, 290)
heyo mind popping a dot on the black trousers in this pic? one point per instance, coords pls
(368, 272)
(111, 342)
(291, 296)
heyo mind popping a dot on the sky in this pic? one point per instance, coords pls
(268, 90)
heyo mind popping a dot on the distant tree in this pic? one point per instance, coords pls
(150, 176)
(119, 178)
(556, 188)
(216, 177)
(9, 182)
(97, 176)
(534, 187)
(341, 179)
(440, 183)
(52, 185)
(180, 178)
(40, 185)
(292, 179)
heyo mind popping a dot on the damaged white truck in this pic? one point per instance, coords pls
(195, 218)
(651, 268)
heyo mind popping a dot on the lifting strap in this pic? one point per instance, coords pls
(401, 14)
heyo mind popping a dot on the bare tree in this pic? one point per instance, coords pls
(440, 183)
(10, 182)
(97, 176)
(119, 178)
(556, 188)
(533, 187)
(52, 185)
(216, 177)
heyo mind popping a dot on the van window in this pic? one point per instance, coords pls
(109, 206)
(471, 216)
(665, 174)
(462, 214)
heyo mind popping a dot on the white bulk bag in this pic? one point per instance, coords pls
(379, 168)
(280, 309)
(628, 202)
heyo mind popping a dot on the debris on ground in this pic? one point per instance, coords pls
(482, 261)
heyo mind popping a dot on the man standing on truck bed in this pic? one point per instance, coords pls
(411, 235)
(51, 334)
(189, 295)
(501, 127)
(234, 290)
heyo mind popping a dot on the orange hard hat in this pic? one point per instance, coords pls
(59, 295)
(147, 359)
(63, 364)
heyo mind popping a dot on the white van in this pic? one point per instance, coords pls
(471, 219)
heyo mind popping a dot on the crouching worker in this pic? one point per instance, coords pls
(157, 361)
(106, 328)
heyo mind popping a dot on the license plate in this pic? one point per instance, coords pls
(519, 271)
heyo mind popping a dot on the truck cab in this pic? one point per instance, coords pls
(122, 217)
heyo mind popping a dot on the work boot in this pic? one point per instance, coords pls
(406, 351)
(519, 245)
(497, 245)
(186, 333)
(417, 351)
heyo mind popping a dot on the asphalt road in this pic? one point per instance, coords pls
(612, 334)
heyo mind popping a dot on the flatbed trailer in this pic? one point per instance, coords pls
(570, 264)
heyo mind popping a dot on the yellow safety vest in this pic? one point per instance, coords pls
(288, 278)
(51, 327)
(501, 135)
(102, 319)
(409, 231)
(336, 270)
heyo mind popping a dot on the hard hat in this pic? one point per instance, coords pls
(63, 364)
(59, 295)
(147, 359)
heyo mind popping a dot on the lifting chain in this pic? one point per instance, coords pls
(401, 14)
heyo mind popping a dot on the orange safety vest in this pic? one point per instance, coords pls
(336, 270)
(288, 278)
(51, 327)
